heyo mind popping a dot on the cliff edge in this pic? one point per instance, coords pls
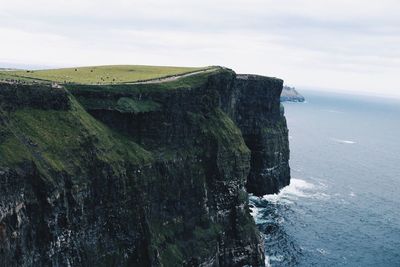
(145, 174)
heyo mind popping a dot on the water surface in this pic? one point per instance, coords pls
(343, 205)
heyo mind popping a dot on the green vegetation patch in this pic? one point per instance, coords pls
(113, 74)
(64, 140)
(12, 76)
(129, 105)
(12, 151)
(174, 248)
(223, 129)
(188, 82)
(123, 104)
(125, 97)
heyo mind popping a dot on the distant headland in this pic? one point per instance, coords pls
(290, 94)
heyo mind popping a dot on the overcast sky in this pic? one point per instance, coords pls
(351, 45)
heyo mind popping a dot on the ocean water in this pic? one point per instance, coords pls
(342, 207)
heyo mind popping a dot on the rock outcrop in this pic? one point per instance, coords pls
(139, 175)
(291, 94)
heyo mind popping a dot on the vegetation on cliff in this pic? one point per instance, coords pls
(145, 174)
(97, 74)
(62, 139)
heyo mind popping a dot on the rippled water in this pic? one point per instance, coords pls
(342, 207)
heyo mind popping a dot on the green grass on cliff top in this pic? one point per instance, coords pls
(113, 74)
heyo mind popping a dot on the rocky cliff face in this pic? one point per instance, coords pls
(139, 175)
(291, 94)
(260, 118)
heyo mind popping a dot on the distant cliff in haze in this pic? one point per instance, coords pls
(290, 94)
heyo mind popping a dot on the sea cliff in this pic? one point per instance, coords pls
(139, 174)
(291, 94)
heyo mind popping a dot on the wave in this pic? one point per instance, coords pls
(343, 141)
(298, 188)
(269, 213)
(267, 261)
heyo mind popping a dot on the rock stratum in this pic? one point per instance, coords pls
(139, 174)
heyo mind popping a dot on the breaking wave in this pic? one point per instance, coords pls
(298, 188)
(273, 215)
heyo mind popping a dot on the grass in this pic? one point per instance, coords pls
(60, 135)
(223, 129)
(7, 75)
(128, 98)
(62, 140)
(113, 74)
(129, 105)
(187, 82)
(174, 249)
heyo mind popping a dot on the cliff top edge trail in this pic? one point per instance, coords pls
(104, 75)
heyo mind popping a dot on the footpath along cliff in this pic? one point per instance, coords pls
(151, 174)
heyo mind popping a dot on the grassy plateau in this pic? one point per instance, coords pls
(113, 74)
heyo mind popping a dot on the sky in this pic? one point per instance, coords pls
(348, 46)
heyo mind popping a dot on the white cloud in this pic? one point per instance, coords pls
(351, 44)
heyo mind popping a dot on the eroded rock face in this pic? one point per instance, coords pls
(259, 116)
(163, 185)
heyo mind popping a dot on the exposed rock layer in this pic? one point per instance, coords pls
(136, 175)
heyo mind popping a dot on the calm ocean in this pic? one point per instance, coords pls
(342, 207)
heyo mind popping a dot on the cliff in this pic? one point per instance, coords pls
(291, 94)
(139, 174)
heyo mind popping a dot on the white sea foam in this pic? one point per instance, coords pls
(256, 213)
(297, 188)
(322, 251)
(267, 262)
(348, 142)
(343, 141)
(278, 258)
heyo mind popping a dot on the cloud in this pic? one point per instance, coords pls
(344, 44)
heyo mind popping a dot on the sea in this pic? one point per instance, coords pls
(342, 207)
